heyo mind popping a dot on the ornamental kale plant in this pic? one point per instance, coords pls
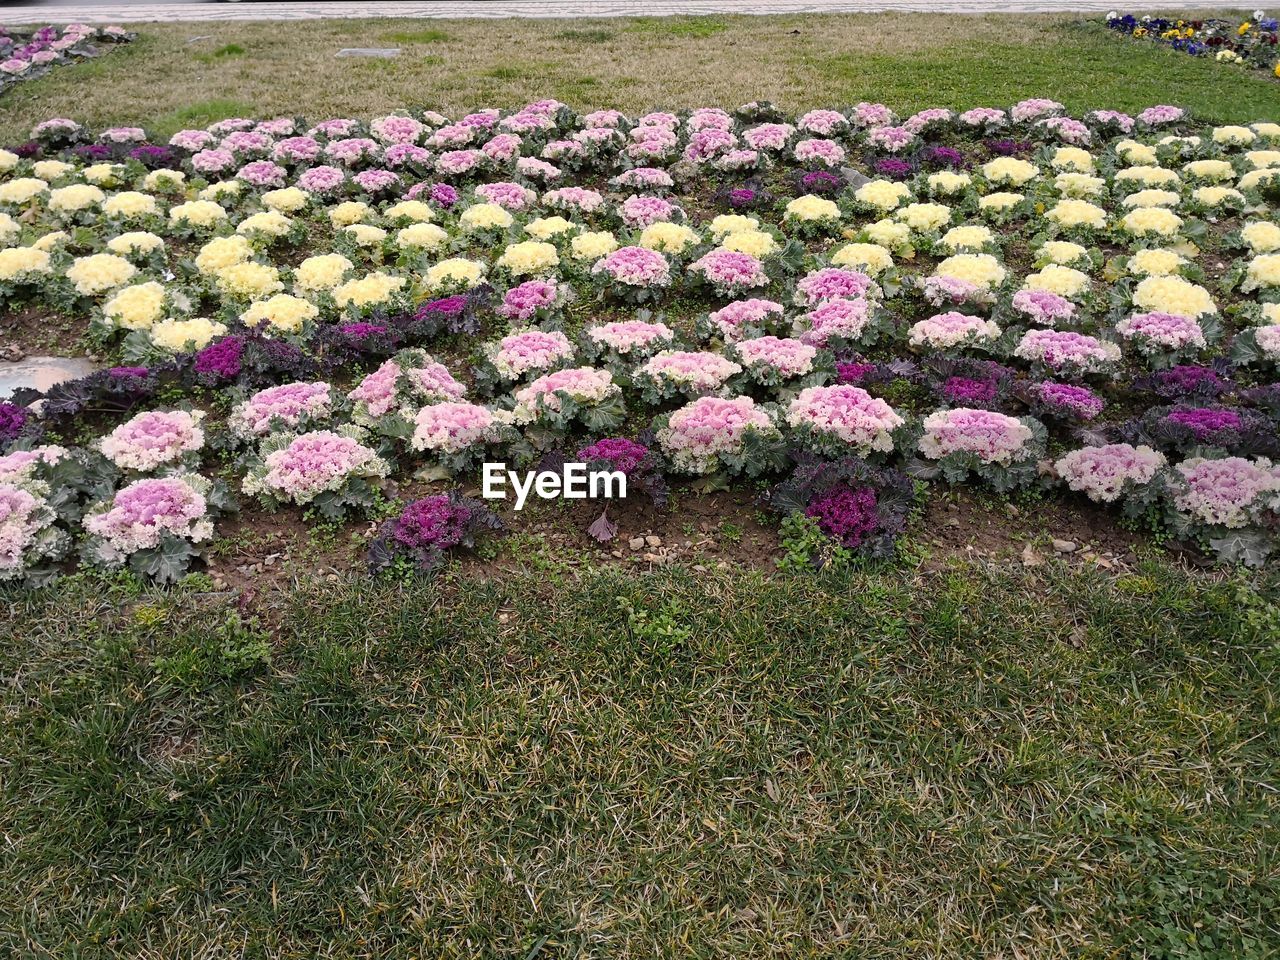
(1186, 428)
(859, 507)
(428, 529)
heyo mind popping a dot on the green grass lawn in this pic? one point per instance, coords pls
(965, 763)
(958, 758)
(908, 61)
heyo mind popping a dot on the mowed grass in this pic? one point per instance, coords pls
(908, 61)
(963, 763)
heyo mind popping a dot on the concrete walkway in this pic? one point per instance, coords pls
(124, 12)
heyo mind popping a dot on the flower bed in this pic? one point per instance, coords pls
(1248, 42)
(28, 54)
(313, 315)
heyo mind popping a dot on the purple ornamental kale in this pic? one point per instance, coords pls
(220, 361)
(427, 529)
(821, 182)
(1008, 148)
(969, 392)
(13, 421)
(432, 523)
(1185, 381)
(153, 157)
(940, 158)
(620, 453)
(443, 195)
(894, 167)
(847, 514)
(862, 507)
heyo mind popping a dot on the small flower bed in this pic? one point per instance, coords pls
(1247, 42)
(28, 54)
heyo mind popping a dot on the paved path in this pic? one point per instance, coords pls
(122, 11)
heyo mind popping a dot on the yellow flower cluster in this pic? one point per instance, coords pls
(882, 194)
(528, 257)
(981, 269)
(222, 252)
(1131, 151)
(726, 223)
(282, 312)
(1155, 262)
(667, 237)
(1152, 198)
(78, 196)
(365, 234)
(160, 181)
(17, 263)
(1172, 294)
(267, 223)
(592, 245)
(1216, 196)
(348, 212)
(485, 216)
(1212, 170)
(1261, 236)
(223, 190)
(1055, 278)
(924, 217)
(249, 280)
(99, 273)
(1263, 271)
(322, 272)
(999, 201)
(1077, 213)
(545, 228)
(1013, 171)
(1072, 158)
(948, 182)
(137, 307)
(1062, 251)
(456, 271)
(414, 210)
(1147, 176)
(889, 234)
(198, 213)
(1233, 136)
(51, 169)
(972, 238)
(1079, 185)
(286, 200)
(131, 204)
(757, 243)
(812, 208)
(136, 241)
(23, 190)
(870, 258)
(421, 236)
(366, 291)
(179, 336)
(1142, 221)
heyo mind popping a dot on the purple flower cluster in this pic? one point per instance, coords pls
(432, 523)
(847, 514)
(219, 362)
(13, 421)
(620, 453)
